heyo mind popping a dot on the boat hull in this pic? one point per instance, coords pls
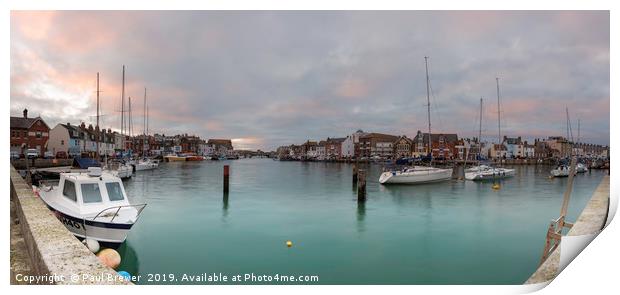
(415, 177)
(490, 174)
(104, 232)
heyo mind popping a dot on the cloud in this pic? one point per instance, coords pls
(270, 78)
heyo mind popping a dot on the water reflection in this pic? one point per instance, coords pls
(361, 216)
(129, 259)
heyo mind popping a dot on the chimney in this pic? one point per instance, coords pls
(90, 127)
(68, 124)
(83, 126)
(26, 113)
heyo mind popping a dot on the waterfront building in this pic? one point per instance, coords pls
(377, 145)
(347, 148)
(221, 147)
(33, 132)
(320, 150)
(497, 151)
(529, 150)
(309, 149)
(403, 147)
(560, 147)
(333, 147)
(514, 147)
(443, 145)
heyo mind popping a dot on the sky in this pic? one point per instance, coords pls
(271, 78)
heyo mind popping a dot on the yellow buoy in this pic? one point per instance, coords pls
(496, 186)
(109, 257)
(289, 244)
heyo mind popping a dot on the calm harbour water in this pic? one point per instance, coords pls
(455, 232)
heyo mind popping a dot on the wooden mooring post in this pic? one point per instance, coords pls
(354, 172)
(361, 185)
(226, 175)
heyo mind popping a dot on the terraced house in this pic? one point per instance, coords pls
(33, 132)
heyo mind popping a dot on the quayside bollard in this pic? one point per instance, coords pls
(361, 185)
(354, 172)
(226, 174)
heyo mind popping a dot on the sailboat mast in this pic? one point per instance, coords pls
(428, 105)
(499, 125)
(480, 131)
(97, 126)
(123, 104)
(144, 125)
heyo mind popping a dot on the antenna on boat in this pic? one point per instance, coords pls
(480, 132)
(428, 105)
(97, 126)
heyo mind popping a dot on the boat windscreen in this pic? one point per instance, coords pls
(114, 191)
(91, 193)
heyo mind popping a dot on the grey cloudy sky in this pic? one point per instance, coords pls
(272, 78)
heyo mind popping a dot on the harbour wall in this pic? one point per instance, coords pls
(40, 163)
(55, 255)
(591, 221)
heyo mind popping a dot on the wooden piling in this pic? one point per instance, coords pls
(354, 172)
(361, 185)
(226, 175)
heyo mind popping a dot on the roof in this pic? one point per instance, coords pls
(407, 139)
(380, 136)
(336, 140)
(448, 137)
(224, 142)
(24, 123)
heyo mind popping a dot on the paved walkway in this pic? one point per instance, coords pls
(20, 261)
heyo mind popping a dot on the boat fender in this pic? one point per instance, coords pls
(109, 257)
(92, 245)
(126, 276)
(289, 244)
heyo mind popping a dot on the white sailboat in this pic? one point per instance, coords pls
(484, 172)
(419, 174)
(121, 169)
(563, 170)
(145, 163)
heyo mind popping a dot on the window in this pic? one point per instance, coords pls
(69, 190)
(91, 193)
(62, 142)
(39, 134)
(115, 193)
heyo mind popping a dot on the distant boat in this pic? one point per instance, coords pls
(92, 205)
(485, 172)
(561, 171)
(581, 168)
(419, 174)
(146, 164)
(174, 158)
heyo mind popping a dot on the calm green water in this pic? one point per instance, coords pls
(456, 232)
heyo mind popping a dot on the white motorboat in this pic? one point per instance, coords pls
(561, 171)
(146, 164)
(489, 173)
(581, 168)
(120, 169)
(92, 205)
(416, 175)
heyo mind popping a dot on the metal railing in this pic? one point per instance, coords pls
(118, 209)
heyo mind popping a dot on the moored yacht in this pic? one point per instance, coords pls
(561, 171)
(484, 172)
(146, 164)
(419, 174)
(416, 175)
(92, 205)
